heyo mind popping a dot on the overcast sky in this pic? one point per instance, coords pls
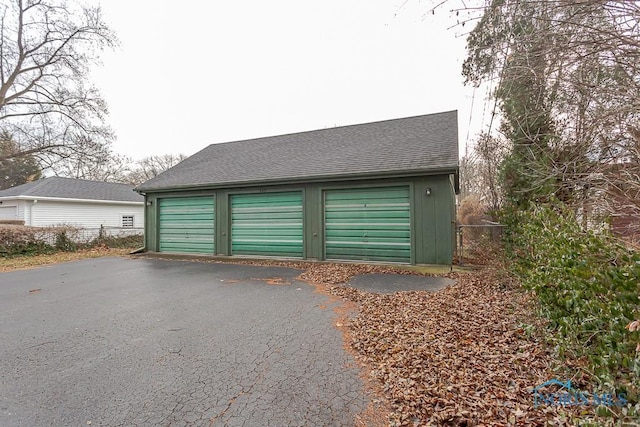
(195, 73)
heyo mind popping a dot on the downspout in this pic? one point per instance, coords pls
(31, 209)
(144, 232)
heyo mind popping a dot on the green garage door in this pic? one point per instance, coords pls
(267, 224)
(371, 224)
(187, 225)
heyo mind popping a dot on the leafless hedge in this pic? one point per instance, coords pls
(22, 240)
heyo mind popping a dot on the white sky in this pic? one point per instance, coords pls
(190, 74)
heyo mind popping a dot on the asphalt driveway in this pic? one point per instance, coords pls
(147, 342)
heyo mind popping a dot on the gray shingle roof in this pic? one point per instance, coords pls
(68, 188)
(412, 144)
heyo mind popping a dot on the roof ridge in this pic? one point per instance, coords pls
(89, 180)
(328, 128)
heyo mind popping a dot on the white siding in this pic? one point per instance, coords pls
(23, 211)
(80, 214)
(8, 212)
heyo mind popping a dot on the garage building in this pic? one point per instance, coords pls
(382, 191)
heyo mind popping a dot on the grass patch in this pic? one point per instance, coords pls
(33, 261)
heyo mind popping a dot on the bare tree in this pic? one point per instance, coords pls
(105, 165)
(102, 165)
(479, 170)
(46, 102)
(567, 80)
(152, 166)
(469, 176)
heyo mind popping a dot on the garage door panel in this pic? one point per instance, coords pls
(181, 242)
(187, 210)
(257, 247)
(268, 217)
(193, 232)
(187, 249)
(389, 239)
(368, 224)
(370, 202)
(183, 208)
(267, 233)
(187, 218)
(263, 207)
(191, 246)
(267, 224)
(254, 200)
(187, 224)
(194, 228)
(355, 249)
(389, 228)
(389, 255)
(357, 216)
(251, 223)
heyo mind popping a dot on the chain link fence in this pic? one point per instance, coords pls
(87, 235)
(478, 243)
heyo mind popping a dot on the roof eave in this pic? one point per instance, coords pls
(319, 178)
(64, 199)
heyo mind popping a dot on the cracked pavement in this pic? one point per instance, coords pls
(149, 342)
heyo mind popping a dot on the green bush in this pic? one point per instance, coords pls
(587, 285)
(64, 243)
(27, 241)
(17, 241)
(25, 248)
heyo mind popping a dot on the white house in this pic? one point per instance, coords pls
(77, 202)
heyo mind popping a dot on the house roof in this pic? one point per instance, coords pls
(68, 188)
(401, 146)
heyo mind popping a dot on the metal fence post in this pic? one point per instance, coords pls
(461, 238)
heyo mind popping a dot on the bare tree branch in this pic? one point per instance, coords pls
(568, 90)
(46, 103)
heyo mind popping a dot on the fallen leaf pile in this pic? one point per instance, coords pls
(459, 356)
(333, 273)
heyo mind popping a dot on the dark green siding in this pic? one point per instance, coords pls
(370, 224)
(433, 216)
(186, 225)
(267, 224)
(431, 227)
